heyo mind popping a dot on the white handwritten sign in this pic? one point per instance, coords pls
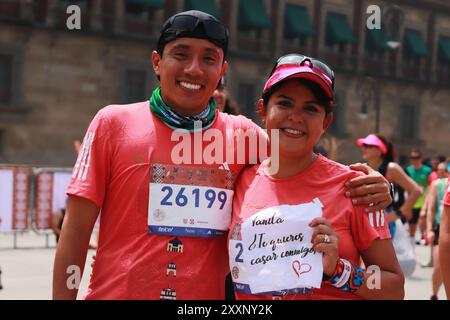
(271, 251)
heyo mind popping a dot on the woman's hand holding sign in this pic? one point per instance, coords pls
(325, 240)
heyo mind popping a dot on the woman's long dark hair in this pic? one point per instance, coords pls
(390, 155)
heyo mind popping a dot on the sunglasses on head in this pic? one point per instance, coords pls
(214, 30)
(300, 60)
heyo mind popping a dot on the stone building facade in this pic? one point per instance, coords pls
(53, 80)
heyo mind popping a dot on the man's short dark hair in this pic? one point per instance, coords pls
(193, 24)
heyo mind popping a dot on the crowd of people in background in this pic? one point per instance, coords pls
(418, 198)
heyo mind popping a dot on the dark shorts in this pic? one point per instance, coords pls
(415, 216)
(229, 288)
(436, 235)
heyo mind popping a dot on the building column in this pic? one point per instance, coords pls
(233, 24)
(319, 27)
(399, 58)
(95, 16)
(432, 42)
(52, 12)
(119, 16)
(360, 29)
(278, 8)
(179, 6)
(26, 10)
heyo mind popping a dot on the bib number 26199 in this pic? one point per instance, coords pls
(195, 196)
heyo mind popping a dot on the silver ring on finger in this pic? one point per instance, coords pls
(326, 238)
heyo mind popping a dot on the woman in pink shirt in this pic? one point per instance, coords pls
(379, 154)
(444, 241)
(284, 219)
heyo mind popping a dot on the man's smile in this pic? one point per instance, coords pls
(190, 85)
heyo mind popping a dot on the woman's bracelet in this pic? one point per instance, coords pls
(347, 276)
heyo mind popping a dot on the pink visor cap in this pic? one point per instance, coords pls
(291, 71)
(372, 140)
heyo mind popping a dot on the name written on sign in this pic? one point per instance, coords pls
(261, 241)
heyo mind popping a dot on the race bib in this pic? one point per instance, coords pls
(190, 201)
(271, 251)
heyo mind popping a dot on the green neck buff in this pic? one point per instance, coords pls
(177, 121)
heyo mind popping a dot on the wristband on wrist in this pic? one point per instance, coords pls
(347, 277)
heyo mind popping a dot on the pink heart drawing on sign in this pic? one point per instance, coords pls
(300, 268)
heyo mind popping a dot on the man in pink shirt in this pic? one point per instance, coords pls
(444, 241)
(165, 210)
